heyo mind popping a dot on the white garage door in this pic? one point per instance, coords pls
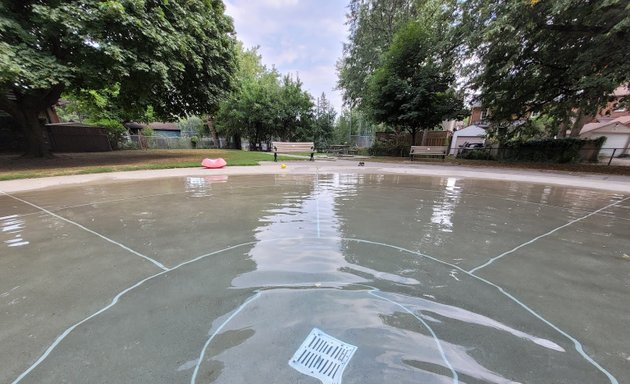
(614, 141)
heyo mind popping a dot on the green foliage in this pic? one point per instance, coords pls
(475, 154)
(191, 126)
(177, 56)
(412, 88)
(116, 132)
(353, 122)
(561, 57)
(324, 122)
(91, 105)
(264, 105)
(568, 150)
(372, 25)
(146, 131)
(398, 145)
(389, 148)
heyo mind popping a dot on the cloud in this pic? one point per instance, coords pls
(302, 36)
(279, 3)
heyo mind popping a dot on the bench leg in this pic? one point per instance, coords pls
(312, 159)
(275, 156)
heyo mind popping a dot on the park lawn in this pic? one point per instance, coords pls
(17, 167)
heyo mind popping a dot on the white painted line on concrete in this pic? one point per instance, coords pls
(578, 346)
(428, 327)
(576, 343)
(317, 201)
(155, 262)
(114, 302)
(215, 333)
(492, 260)
(372, 292)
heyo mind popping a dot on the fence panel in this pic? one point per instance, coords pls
(162, 142)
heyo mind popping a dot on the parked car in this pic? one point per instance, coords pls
(467, 145)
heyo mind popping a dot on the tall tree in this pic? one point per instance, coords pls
(561, 57)
(176, 55)
(413, 88)
(324, 122)
(372, 25)
(265, 105)
(295, 111)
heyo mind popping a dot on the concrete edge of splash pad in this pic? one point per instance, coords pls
(591, 181)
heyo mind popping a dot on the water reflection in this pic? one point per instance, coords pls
(313, 216)
(12, 227)
(303, 241)
(202, 186)
(444, 208)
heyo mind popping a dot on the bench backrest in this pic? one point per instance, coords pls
(285, 147)
(429, 150)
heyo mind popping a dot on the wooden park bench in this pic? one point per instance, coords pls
(428, 151)
(286, 147)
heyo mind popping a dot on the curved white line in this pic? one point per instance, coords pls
(578, 346)
(372, 291)
(427, 326)
(215, 333)
(114, 302)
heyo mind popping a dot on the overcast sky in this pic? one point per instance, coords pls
(297, 36)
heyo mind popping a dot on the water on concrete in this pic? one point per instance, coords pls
(201, 279)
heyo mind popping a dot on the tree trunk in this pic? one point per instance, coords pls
(213, 132)
(33, 129)
(562, 131)
(25, 110)
(236, 141)
(413, 136)
(580, 120)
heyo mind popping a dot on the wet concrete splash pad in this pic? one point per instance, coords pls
(434, 280)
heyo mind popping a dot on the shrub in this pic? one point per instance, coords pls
(191, 126)
(568, 150)
(389, 148)
(475, 154)
(116, 132)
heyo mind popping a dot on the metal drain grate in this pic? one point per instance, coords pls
(322, 357)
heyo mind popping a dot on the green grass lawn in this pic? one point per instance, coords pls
(17, 167)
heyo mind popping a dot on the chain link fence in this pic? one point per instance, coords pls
(163, 142)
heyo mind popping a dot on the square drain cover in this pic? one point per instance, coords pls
(322, 357)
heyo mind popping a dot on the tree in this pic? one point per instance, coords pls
(176, 55)
(413, 87)
(264, 106)
(562, 58)
(372, 25)
(296, 111)
(324, 123)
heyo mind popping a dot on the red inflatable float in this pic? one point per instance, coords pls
(213, 163)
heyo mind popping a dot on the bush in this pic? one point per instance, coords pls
(568, 150)
(475, 154)
(116, 132)
(389, 148)
(191, 126)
